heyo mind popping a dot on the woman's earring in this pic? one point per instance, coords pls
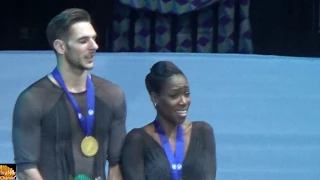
(155, 104)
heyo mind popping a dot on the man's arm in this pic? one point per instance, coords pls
(116, 136)
(26, 136)
(114, 173)
(30, 174)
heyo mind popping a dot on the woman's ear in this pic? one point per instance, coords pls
(154, 98)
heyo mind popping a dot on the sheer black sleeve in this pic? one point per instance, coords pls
(26, 131)
(210, 151)
(132, 163)
(118, 128)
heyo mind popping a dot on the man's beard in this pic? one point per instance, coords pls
(75, 64)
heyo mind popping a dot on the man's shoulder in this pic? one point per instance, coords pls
(35, 94)
(35, 88)
(106, 87)
(98, 81)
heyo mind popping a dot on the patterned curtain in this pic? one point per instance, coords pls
(202, 26)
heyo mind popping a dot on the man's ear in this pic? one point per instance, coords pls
(59, 46)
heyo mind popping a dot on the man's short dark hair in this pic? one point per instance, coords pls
(58, 27)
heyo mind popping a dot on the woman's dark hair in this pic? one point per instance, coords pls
(159, 73)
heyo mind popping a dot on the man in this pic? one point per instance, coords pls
(67, 123)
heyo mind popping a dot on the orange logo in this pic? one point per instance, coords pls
(7, 173)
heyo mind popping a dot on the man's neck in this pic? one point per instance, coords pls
(74, 79)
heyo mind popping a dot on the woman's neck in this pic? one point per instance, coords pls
(169, 128)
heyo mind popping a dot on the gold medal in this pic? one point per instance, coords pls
(89, 146)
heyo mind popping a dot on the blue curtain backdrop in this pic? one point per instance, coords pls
(203, 26)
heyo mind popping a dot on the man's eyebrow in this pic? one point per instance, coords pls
(87, 37)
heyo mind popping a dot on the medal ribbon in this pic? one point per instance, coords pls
(176, 160)
(86, 123)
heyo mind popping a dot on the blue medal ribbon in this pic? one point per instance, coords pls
(86, 123)
(176, 161)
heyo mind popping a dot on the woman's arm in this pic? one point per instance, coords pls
(210, 150)
(132, 162)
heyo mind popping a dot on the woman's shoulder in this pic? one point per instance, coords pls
(202, 126)
(135, 134)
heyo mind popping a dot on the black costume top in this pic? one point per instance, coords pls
(143, 157)
(46, 133)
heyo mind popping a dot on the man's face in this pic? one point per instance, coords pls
(81, 46)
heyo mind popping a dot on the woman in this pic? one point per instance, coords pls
(169, 148)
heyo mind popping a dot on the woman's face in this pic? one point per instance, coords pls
(174, 100)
